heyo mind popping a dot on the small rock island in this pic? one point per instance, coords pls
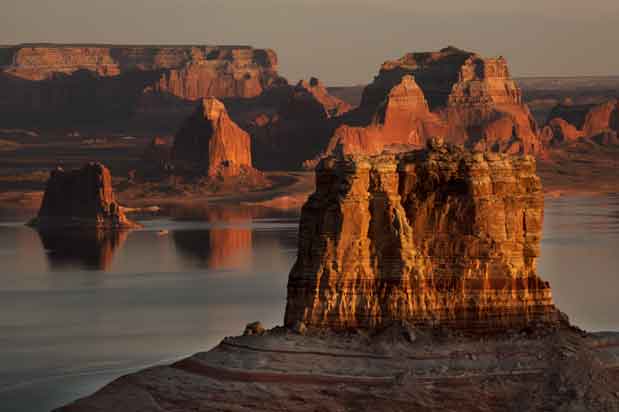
(81, 199)
(415, 288)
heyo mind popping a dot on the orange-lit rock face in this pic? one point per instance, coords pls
(186, 72)
(558, 131)
(403, 119)
(568, 122)
(210, 140)
(82, 198)
(313, 90)
(473, 101)
(437, 237)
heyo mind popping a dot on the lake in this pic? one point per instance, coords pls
(78, 311)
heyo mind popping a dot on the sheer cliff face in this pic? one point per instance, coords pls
(468, 100)
(187, 72)
(60, 84)
(211, 141)
(437, 237)
(81, 198)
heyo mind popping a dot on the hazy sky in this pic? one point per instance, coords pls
(341, 41)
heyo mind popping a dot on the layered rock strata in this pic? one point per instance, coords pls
(81, 198)
(211, 143)
(452, 93)
(188, 72)
(49, 84)
(403, 119)
(436, 237)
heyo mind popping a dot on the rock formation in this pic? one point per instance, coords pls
(559, 131)
(436, 237)
(598, 122)
(81, 198)
(292, 125)
(314, 92)
(211, 143)
(45, 83)
(452, 93)
(403, 119)
(188, 72)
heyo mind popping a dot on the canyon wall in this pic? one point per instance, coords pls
(436, 237)
(82, 82)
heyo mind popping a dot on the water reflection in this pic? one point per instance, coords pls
(86, 249)
(221, 248)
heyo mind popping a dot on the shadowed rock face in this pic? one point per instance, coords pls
(453, 94)
(599, 122)
(210, 141)
(53, 84)
(81, 198)
(188, 72)
(437, 237)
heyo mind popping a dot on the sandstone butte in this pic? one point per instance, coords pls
(436, 237)
(452, 93)
(81, 199)
(570, 122)
(414, 289)
(211, 143)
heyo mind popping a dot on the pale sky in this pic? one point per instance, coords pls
(342, 42)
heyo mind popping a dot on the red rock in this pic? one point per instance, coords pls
(436, 237)
(210, 142)
(597, 122)
(81, 198)
(453, 94)
(558, 131)
(600, 118)
(294, 124)
(316, 91)
(403, 120)
(50, 84)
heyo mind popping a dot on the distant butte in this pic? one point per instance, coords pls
(81, 199)
(452, 93)
(210, 143)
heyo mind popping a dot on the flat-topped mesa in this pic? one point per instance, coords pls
(81, 198)
(188, 72)
(436, 237)
(480, 105)
(211, 143)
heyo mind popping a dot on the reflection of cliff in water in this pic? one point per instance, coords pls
(86, 249)
(216, 248)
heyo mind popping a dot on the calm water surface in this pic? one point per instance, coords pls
(79, 311)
